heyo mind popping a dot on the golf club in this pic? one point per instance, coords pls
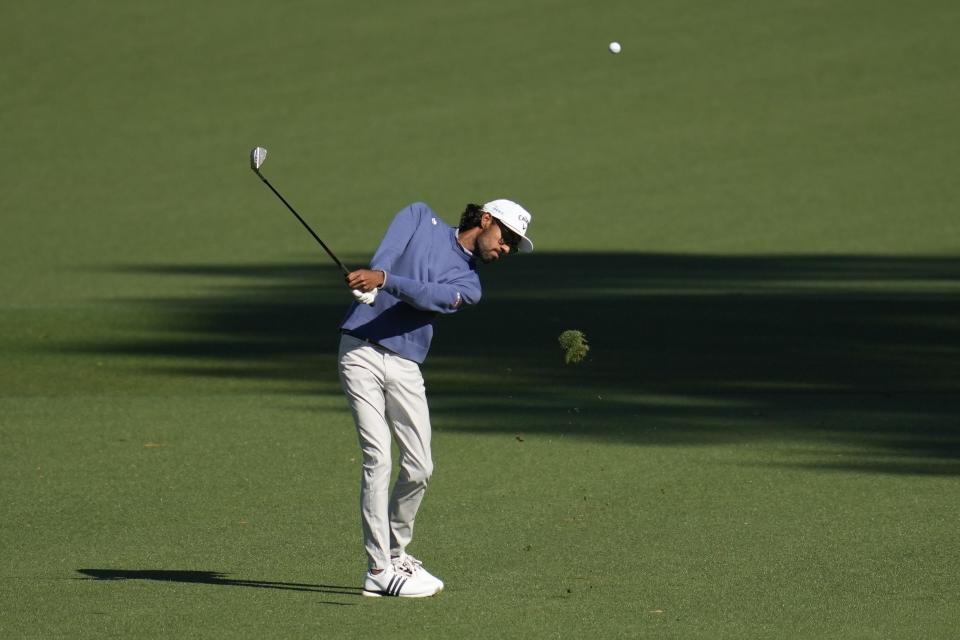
(257, 156)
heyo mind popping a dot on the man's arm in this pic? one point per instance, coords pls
(398, 236)
(445, 297)
(365, 282)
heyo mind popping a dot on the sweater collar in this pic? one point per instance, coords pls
(468, 255)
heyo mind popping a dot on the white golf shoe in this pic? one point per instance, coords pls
(407, 565)
(390, 582)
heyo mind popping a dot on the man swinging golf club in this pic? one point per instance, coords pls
(422, 268)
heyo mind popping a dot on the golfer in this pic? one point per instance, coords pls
(422, 268)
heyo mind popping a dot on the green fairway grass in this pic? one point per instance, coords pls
(751, 213)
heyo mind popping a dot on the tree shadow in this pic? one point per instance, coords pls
(214, 578)
(685, 349)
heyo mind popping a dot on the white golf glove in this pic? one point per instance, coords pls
(364, 297)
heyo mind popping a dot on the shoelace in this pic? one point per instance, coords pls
(408, 564)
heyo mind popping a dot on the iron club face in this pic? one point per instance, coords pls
(257, 157)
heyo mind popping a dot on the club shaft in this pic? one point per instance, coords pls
(306, 226)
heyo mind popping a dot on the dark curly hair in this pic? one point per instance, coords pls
(471, 217)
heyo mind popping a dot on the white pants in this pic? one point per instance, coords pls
(386, 394)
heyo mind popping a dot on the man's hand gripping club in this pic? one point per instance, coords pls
(364, 284)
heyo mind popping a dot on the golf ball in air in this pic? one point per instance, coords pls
(614, 47)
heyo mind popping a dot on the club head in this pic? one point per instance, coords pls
(257, 156)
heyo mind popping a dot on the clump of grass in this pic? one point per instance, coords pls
(574, 345)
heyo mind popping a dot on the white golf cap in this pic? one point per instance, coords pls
(513, 217)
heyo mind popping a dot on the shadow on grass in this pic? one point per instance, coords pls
(851, 351)
(214, 578)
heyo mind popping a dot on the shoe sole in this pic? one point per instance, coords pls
(383, 594)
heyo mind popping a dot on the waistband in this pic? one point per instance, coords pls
(357, 336)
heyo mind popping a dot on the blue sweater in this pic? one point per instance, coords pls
(428, 273)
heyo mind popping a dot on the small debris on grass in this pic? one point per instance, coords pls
(574, 345)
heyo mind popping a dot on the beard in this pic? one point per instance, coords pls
(488, 257)
(488, 247)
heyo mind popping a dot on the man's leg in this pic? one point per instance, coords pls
(362, 376)
(409, 416)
